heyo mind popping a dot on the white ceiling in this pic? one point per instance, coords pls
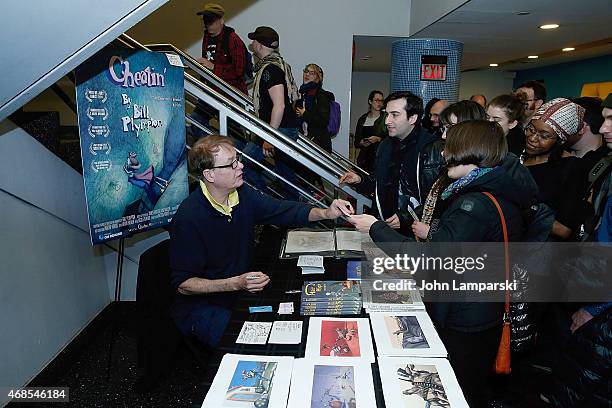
(492, 32)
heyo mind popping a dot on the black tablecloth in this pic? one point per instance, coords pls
(284, 275)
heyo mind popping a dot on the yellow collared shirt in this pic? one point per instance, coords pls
(232, 200)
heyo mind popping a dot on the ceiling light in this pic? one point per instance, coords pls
(549, 26)
(522, 13)
(568, 49)
(532, 57)
(366, 58)
(494, 65)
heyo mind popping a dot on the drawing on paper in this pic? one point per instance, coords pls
(333, 387)
(405, 332)
(251, 384)
(392, 297)
(421, 386)
(339, 338)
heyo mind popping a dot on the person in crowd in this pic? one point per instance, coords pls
(223, 52)
(434, 117)
(405, 167)
(581, 375)
(313, 110)
(456, 113)
(590, 146)
(459, 112)
(477, 162)
(370, 131)
(559, 175)
(313, 107)
(212, 238)
(534, 97)
(274, 93)
(479, 99)
(426, 122)
(508, 111)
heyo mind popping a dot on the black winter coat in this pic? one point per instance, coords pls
(385, 180)
(582, 376)
(318, 118)
(470, 216)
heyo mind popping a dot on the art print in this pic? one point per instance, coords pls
(251, 384)
(333, 387)
(339, 338)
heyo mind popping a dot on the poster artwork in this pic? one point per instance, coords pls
(251, 384)
(405, 332)
(333, 386)
(421, 386)
(339, 338)
(131, 113)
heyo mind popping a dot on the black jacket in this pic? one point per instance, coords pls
(367, 155)
(582, 376)
(318, 118)
(384, 183)
(470, 216)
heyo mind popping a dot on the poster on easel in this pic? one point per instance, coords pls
(131, 114)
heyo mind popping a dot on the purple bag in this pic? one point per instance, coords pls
(335, 117)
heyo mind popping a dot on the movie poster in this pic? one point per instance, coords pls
(131, 112)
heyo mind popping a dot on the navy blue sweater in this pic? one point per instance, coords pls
(207, 244)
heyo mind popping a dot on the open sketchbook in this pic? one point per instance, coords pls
(338, 242)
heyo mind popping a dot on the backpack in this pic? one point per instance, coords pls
(335, 116)
(248, 58)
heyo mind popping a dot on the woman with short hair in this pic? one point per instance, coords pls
(509, 111)
(477, 163)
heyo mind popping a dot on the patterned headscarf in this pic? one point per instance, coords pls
(562, 115)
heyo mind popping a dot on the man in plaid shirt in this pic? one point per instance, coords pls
(223, 52)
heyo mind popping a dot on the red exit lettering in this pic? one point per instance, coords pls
(433, 72)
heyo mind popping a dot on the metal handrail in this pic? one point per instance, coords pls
(307, 156)
(246, 101)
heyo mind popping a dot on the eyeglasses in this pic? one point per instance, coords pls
(378, 100)
(310, 72)
(446, 128)
(544, 136)
(233, 164)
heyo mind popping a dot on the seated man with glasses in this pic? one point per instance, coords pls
(212, 238)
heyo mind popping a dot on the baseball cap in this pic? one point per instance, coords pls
(266, 36)
(211, 12)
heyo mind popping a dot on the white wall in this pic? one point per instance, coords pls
(488, 82)
(362, 84)
(53, 281)
(319, 31)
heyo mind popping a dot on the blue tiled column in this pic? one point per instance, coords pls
(406, 67)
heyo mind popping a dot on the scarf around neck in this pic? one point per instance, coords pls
(462, 182)
(274, 58)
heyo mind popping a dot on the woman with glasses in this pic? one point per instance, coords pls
(558, 174)
(313, 110)
(313, 107)
(509, 111)
(370, 131)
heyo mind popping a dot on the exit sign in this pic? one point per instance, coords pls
(433, 67)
